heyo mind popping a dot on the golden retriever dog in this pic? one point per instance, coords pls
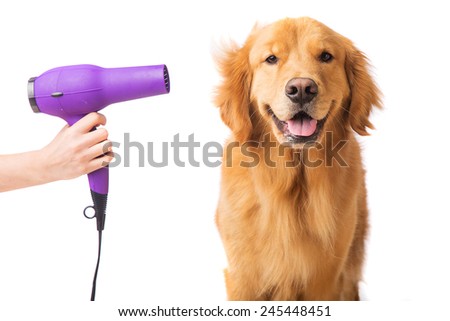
(292, 210)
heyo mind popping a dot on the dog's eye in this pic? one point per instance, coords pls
(272, 59)
(326, 57)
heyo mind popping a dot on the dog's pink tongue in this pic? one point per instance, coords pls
(302, 127)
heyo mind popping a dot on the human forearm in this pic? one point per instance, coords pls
(22, 170)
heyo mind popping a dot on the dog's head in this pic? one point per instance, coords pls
(297, 78)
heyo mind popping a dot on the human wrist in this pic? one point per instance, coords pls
(40, 170)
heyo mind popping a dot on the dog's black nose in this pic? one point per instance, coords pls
(301, 90)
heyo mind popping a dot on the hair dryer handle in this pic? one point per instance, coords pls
(98, 183)
(98, 180)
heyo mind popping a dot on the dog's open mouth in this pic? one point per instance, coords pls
(301, 128)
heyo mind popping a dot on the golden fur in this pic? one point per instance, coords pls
(293, 232)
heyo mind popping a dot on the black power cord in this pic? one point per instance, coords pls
(94, 282)
(99, 207)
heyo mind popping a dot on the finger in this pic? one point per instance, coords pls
(88, 122)
(95, 137)
(100, 162)
(99, 149)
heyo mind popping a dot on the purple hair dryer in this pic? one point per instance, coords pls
(74, 91)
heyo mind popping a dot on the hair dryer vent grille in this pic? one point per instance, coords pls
(166, 79)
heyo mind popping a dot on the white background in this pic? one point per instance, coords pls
(160, 242)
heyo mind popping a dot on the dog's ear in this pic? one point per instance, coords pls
(233, 94)
(363, 90)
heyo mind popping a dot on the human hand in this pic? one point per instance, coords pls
(77, 150)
